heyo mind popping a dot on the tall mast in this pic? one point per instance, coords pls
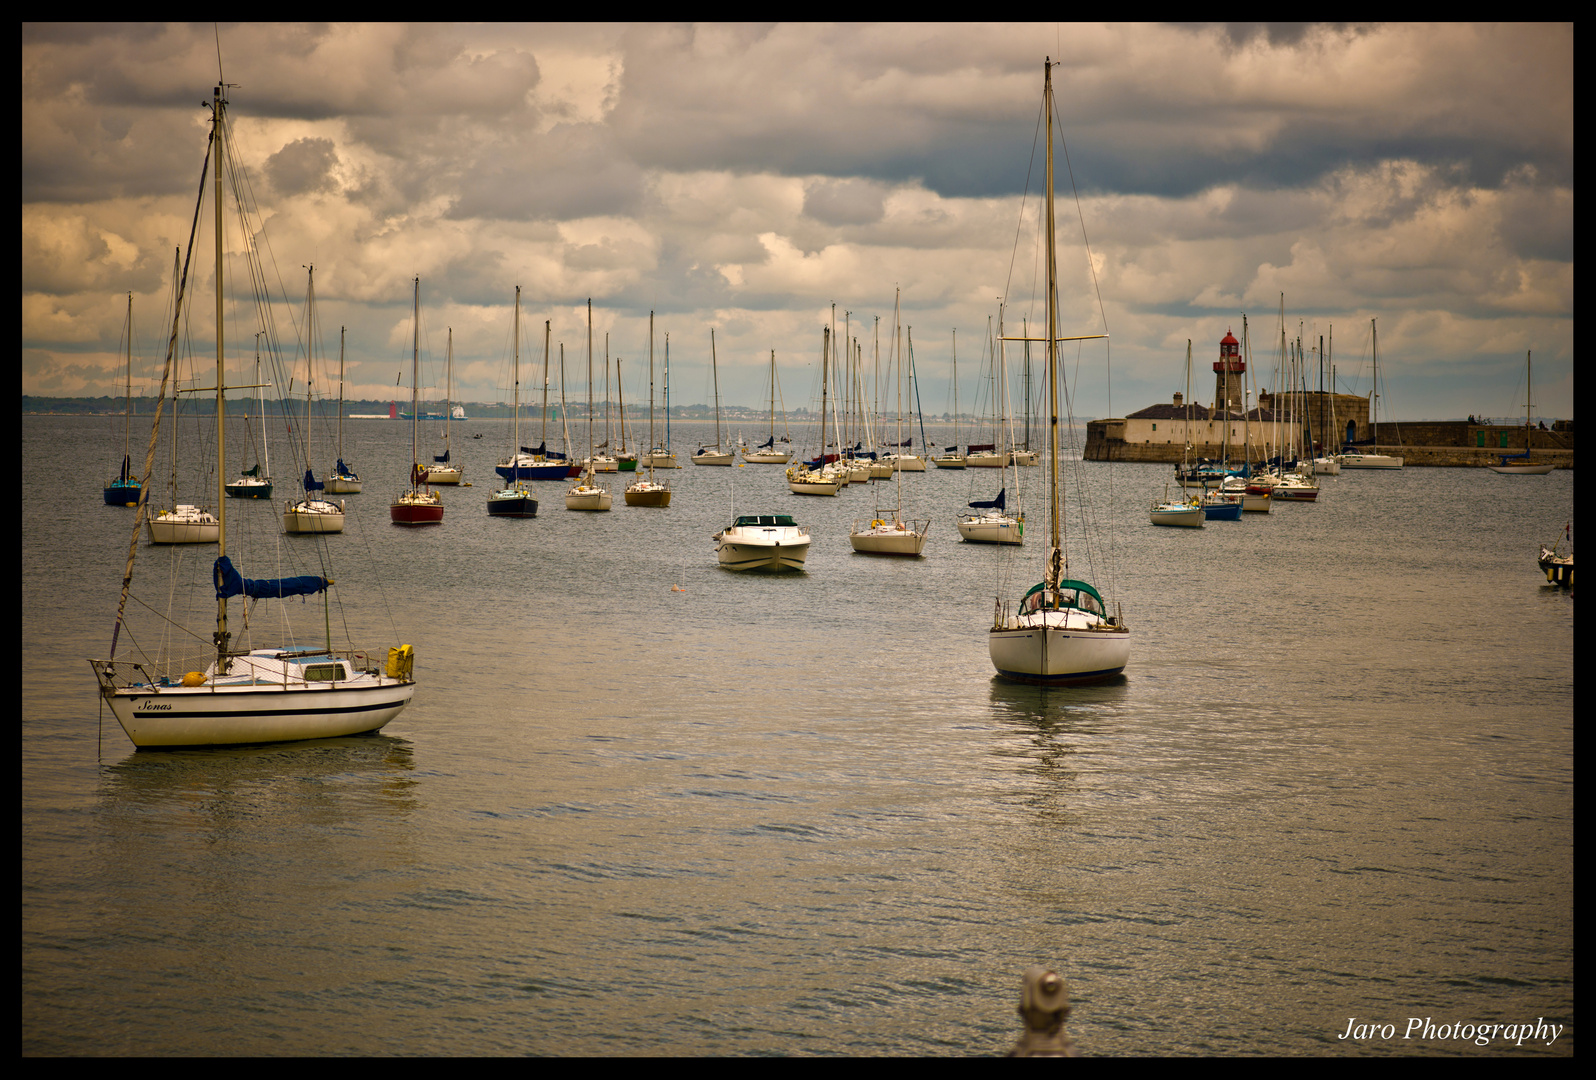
(1054, 561)
(515, 449)
(218, 112)
(341, 331)
(714, 368)
(415, 368)
(651, 442)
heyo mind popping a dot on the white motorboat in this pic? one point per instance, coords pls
(1061, 632)
(767, 542)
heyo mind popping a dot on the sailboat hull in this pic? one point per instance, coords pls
(646, 494)
(1369, 461)
(416, 508)
(541, 470)
(122, 494)
(313, 518)
(442, 474)
(344, 485)
(249, 489)
(1056, 656)
(889, 538)
(1522, 470)
(992, 529)
(512, 504)
(714, 457)
(184, 525)
(242, 715)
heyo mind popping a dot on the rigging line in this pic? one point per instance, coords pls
(155, 429)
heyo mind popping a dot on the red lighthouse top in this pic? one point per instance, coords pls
(1229, 355)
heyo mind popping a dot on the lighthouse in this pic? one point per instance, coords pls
(1229, 386)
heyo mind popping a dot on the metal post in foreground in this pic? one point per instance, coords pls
(1044, 1006)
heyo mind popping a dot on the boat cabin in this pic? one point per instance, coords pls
(769, 521)
(1069, 594)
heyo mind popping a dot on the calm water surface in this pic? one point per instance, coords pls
(798, 815)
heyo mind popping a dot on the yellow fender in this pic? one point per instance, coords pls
(400, 662)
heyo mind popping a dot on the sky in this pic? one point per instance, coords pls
(753, 179)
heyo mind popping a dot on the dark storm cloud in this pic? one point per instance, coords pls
(304, 165)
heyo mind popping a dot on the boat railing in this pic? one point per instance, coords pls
(287, 668)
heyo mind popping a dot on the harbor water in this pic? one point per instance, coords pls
(644, 806)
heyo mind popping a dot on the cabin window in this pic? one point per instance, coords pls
(324, 673)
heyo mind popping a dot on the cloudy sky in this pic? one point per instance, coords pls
(747, 178)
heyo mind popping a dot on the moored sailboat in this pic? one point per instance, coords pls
(586, 494)
(442, 470)
(714, 455)
(257, 695)
(418, 504)
(646, 491)
(125, 488)
(311, 514)
(1061, 632)
(342, 480)
(513, 500)
(1523, 464)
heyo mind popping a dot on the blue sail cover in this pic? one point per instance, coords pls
(311, 483)
(343, 470)
(444, 460)
(542, 450)
(767, 444)
(994, 504)
(229, 582)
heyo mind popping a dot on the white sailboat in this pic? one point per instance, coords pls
(1351, 459)
(1523, 464)
(992, 524)
(184, 523)
(660, 455)
(706, 455)
(342, 480)
(1187, 513)
(256, 482)
(417, 504)
(585, 494)
(804, 478)
(125, 488)
(259, 695)
(950, 458)
(646, 491)
(772, 451)
(311, 514)
(894, 535)
(514, 500)
(442, 471)
(1061, 632)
